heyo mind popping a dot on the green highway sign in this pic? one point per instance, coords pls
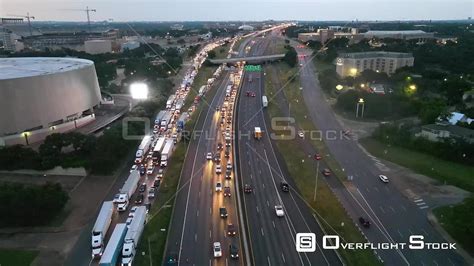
(254, 68)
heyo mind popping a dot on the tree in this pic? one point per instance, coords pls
(181, 41)
(291, 56)
(211, 54)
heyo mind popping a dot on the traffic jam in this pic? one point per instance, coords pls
(141, 187)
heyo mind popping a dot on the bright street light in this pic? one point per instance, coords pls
(139, 91)
(339, 87)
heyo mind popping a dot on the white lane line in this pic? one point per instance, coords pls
(197, 213)
(435, 262)
(257, 208)
(403, 208)
(424, 232)
(420, 203)
(283, 258)
(268, 203)
(261, 231)
(367, 189)
(424, 207)
(210, 210)
(376, 189)
(391, 208)
(381, 208)
(251, 177)
(268, 259)
(195, 237)
(400, 233)
(273, 222)
(263, 185)
(418, 200)
(210, 234)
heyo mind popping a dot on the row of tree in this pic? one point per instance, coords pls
(450, 149)
(30, 205)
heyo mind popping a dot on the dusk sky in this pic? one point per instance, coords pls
(185, 10)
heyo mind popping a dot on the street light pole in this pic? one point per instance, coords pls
(316, 181)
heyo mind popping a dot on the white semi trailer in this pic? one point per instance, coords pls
(100, 228)
(127, 190)
(133, 236)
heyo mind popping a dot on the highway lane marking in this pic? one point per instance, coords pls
(450, 261)
(403, 208)
(210, 210)
(263, 185)
(367, 189)
(226, 262)
(257, 208)
(381, 208)
(411, 232)
(251, 177)
(283, 258)
(435, 262)
(400, 233)
(424, 207)
(376, 189)
(268, 203)
(418, 200)
(210, 234)
(391, 208)
(273, 222)
(420, 203)
(261, 231)
(195, 237)
(197, 213)
(268, 259)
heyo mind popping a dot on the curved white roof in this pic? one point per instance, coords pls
(21, 67)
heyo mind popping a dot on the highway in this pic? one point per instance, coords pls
(196, 223)
(272, 237)
(394, 216)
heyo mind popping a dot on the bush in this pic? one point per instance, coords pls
(30, 205)
(291, 56)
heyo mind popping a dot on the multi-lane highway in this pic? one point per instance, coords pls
(272, 238)
(394, 216)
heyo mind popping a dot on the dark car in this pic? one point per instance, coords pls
(326, 172)
(317, 156)
(219, 146)
(142, 188)
(217, 108)
(142, 170)
(139, 198)
(231, 231)
(365, 223)
(156, 183)
(228, 174)
(247, 188)
(223, 212)
(217, 158)
(172, 259)
(226, 191)
(233, 251)
(284, 186)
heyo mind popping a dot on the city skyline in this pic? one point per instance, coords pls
(145, 10)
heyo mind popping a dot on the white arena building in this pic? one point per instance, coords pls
(44, 95)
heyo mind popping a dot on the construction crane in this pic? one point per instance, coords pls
(87, 10)
(28, 17)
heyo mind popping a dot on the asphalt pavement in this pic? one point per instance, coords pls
(395, 217)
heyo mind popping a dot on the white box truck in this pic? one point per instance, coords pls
(264, 101)
(179, 104)
(100, 228)
(133, 236)
(157, 150)
(165, 121)
(114, 246)
(170, 101)
(127, 190)
(159, 116)
(166, 153)
(142, 149)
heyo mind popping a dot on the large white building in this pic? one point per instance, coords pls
(352, 64)
(98, 46)
(44, 95)
(399, 34)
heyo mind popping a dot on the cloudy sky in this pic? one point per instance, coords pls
(186, 10)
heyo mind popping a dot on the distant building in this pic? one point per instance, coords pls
(435, 132)
(6, 38)
(322, 36)
(246, 28)
(177, 27)
(98, 46)
(130, 45)
(399, 34)
(351, 64)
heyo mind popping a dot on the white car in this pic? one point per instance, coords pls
(279, 211)
(301, 134)
(160, 173)
(383, 178)
(150, 169)
(218, 169)
(217, 249)
(229, 165)
(218, 186)
(134, 168)
(209, 156)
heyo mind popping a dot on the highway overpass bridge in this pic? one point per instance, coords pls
(249, 59)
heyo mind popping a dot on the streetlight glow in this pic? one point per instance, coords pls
(339, 87)
(353, 71)
(361, 100)
(139, 91)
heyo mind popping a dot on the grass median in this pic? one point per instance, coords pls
(331, 214)
(17, 257)
(205, 72)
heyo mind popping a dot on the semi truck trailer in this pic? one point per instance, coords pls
(114, 247)
(100, 228)
(133, 236)
(166, 153)
(127, 190)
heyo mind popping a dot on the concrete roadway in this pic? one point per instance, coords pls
(272, 238)
(394, 216)
(196, 223)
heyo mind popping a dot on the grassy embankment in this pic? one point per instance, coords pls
(17, 257)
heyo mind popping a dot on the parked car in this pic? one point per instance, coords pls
(365, 223)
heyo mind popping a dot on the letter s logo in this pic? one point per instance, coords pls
(416, 242)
